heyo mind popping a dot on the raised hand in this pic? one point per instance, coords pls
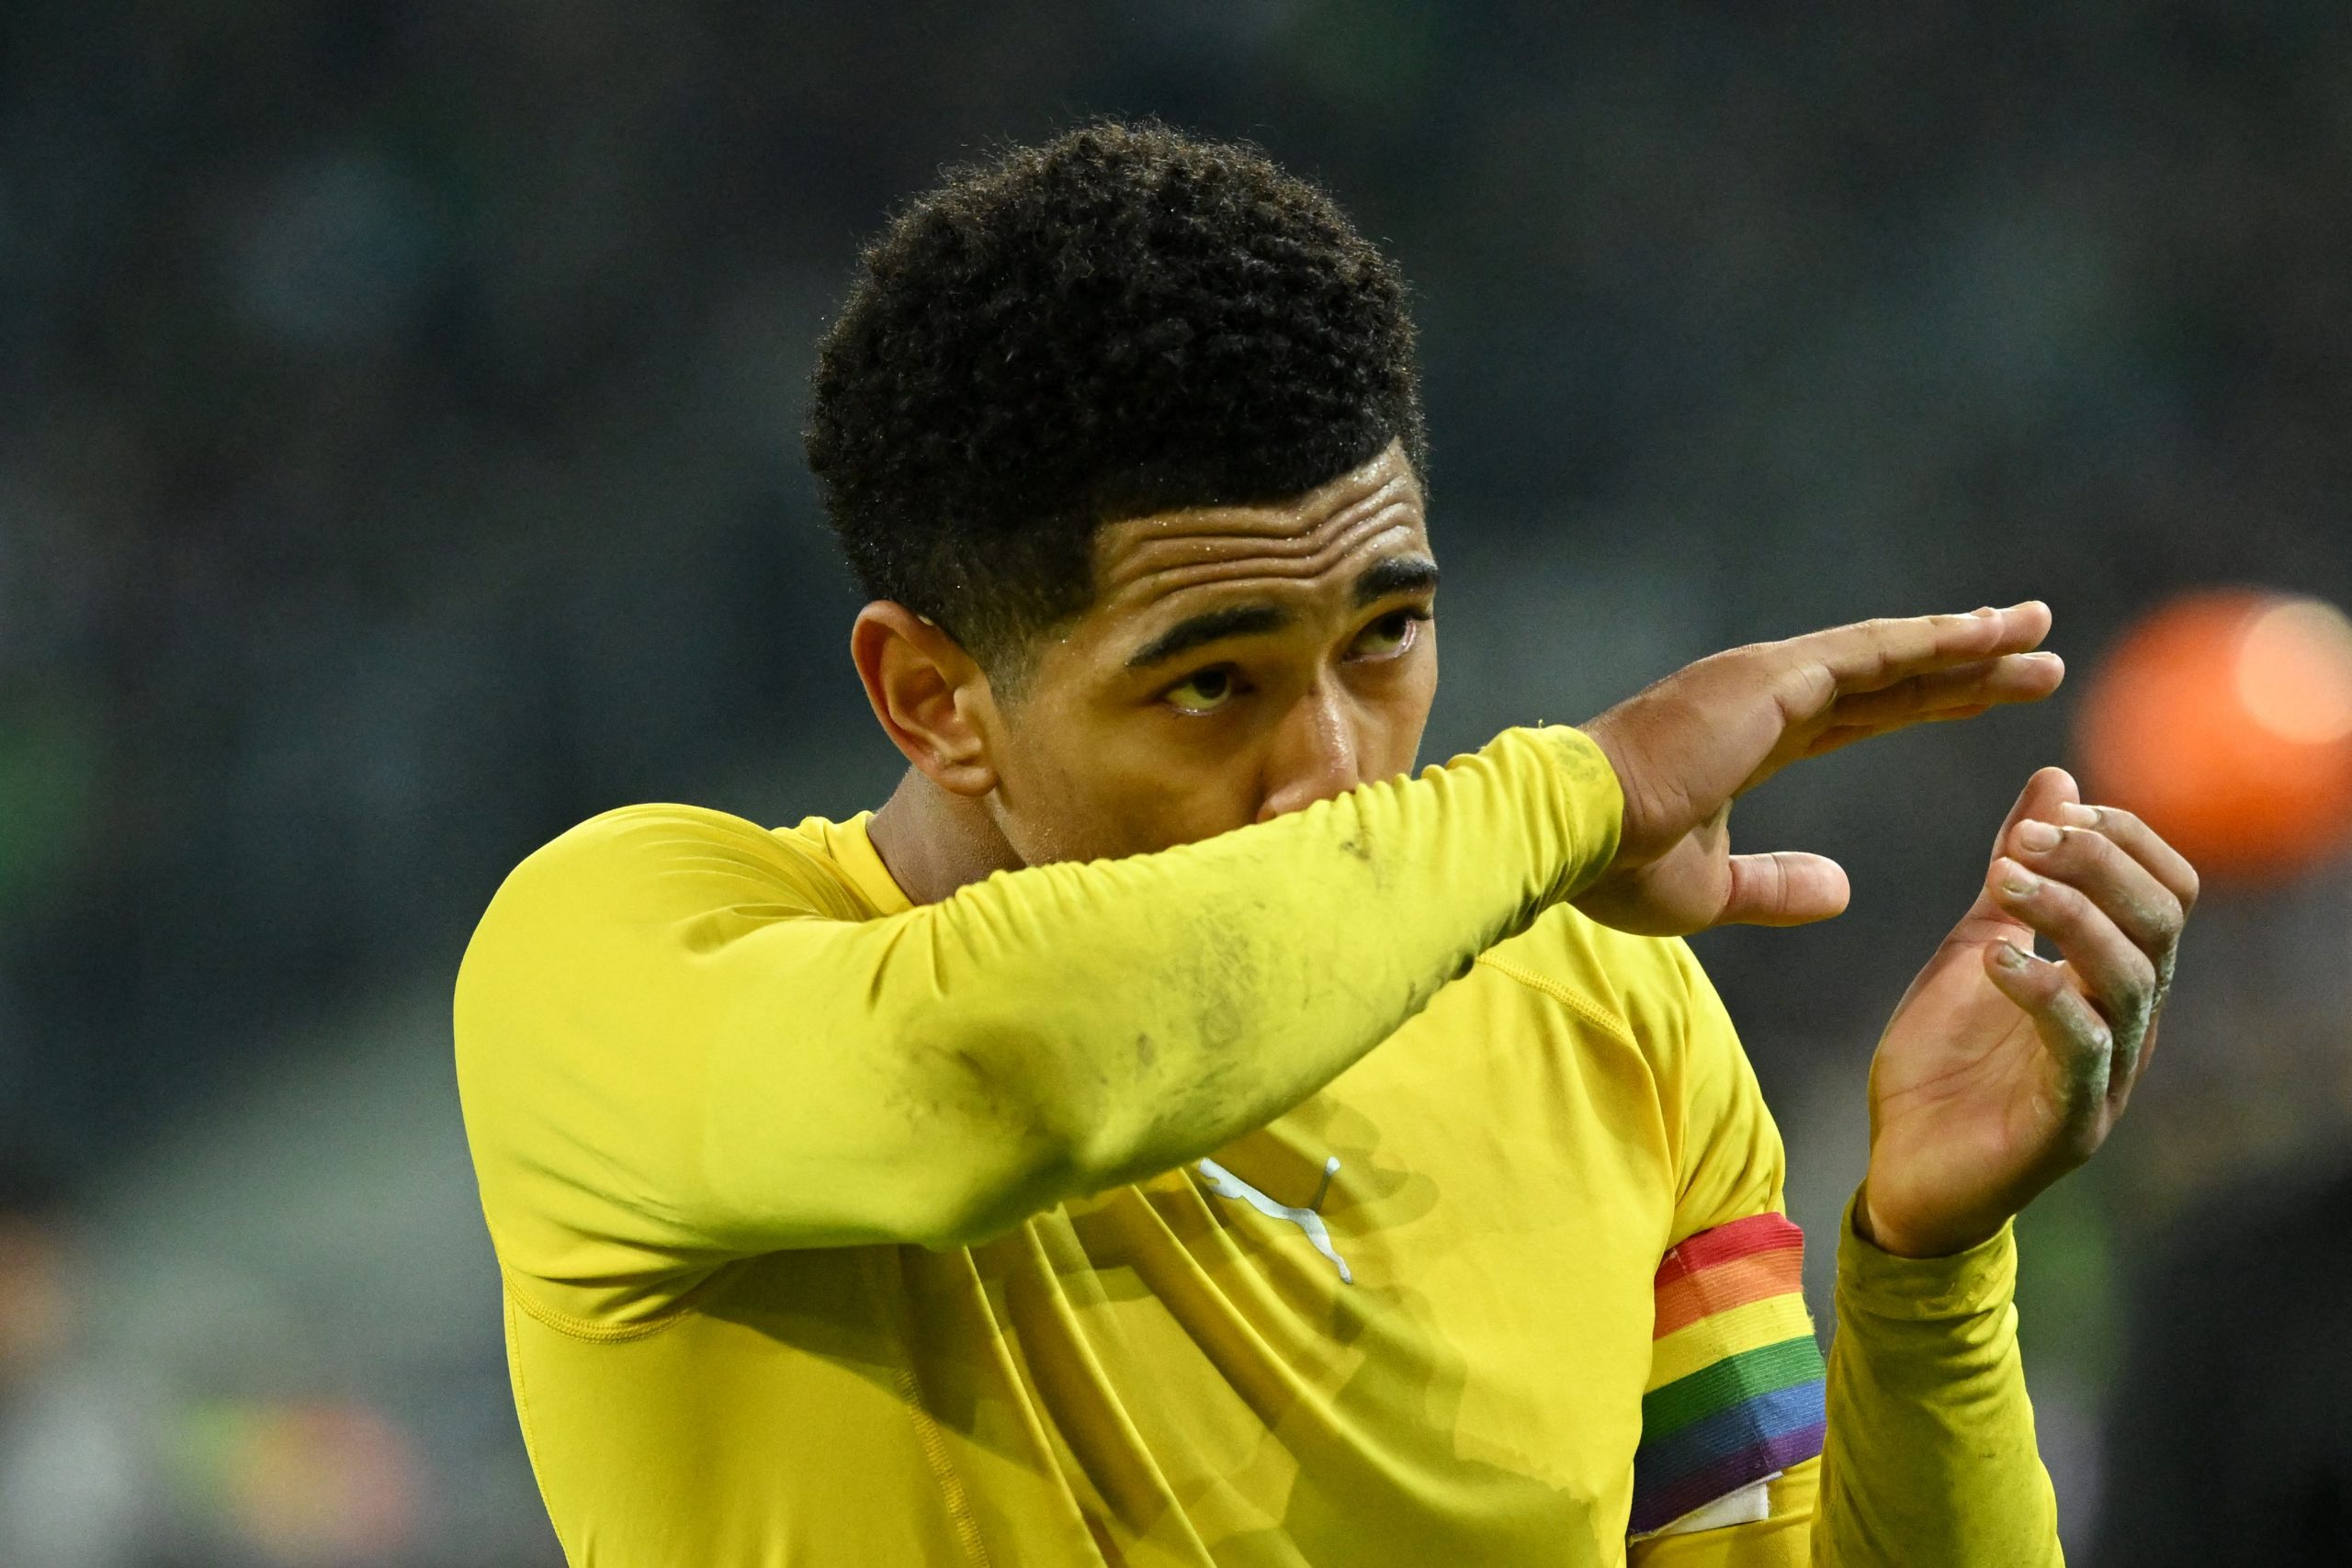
(1687, 747)
(2001, 1071)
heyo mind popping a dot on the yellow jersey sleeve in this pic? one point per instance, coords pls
(1917, 1449)
(1931, 1456)
(1730, 1163)
(680, 1043)
(1732, 1409)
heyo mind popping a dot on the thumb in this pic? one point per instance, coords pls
(1784, 888)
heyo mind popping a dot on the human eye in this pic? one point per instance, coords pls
(1204, 691)
(1389, 636)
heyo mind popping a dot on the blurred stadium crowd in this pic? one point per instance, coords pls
(399, 461)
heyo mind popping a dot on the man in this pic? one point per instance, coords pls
(1165, 1133)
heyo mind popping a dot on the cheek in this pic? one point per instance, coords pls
(1394, 716)
(1096, 792)
(1161, 794)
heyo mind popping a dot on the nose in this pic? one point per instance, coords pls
(1316, 754)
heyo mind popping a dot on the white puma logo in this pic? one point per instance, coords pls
(1224, 1184)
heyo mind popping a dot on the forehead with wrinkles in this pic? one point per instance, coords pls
(1147, 561)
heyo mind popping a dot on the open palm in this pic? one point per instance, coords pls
(2001, 1071)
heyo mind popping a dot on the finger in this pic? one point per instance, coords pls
(2127, 891)
(2119, 979)
(1846, 733)
(2147, 1048)
(2142, 842)
(1784, 888)
(2046, 794)
(1869, 655)
(2078, 1040)
(1982, 683)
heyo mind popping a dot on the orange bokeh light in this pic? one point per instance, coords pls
(2224, 718)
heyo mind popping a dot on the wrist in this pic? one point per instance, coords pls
(1943, 1238)
(1596, 734)
(1889, 1289)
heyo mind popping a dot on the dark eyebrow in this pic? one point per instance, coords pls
(1210, 626)
(1397, 574)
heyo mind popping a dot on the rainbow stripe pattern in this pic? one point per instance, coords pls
(1736, 1378)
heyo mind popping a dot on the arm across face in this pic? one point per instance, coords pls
(760, 1091)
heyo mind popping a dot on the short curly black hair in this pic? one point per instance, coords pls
(1123, 321)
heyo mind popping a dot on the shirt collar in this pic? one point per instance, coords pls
(851, 847)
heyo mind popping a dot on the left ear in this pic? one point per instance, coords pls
(931, 697)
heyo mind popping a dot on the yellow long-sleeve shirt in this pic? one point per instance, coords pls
(1076, 1219)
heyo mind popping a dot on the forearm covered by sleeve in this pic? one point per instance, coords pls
(661, 1048)
(1930, 1458)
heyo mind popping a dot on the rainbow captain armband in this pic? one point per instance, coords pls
(1735, 1394)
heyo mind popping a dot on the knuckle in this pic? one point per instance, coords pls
(2150, 922)
(2172, 918)
(2127, 1052)
(2096, 1030)
(2082, 851)
(2127, 1009)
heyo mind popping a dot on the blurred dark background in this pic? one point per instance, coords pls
(400, 461)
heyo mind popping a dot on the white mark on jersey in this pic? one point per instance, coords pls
(1224, 1184)
(1747, 1506)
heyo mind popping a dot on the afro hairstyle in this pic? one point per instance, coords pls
(1123, 321)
